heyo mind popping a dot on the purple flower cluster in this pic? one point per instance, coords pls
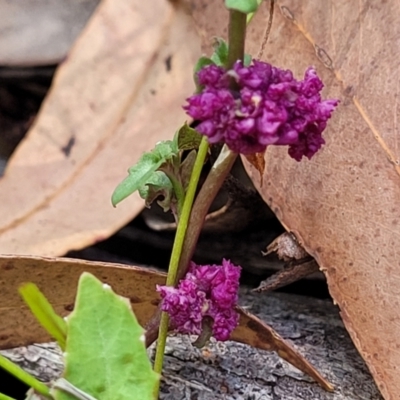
(206, 291)
(269, 107)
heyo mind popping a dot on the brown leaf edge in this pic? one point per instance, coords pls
(258, 162)
(254, 332)
(58, 278)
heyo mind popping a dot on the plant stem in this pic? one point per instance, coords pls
(215, 179)
(237, 36)
(207, 193)
(177, 249)
(205, 197)
(225, 160)
(5, 397)
(23, 376)
(191, 220)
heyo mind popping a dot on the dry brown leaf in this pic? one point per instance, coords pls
(258, 162)
(40, 32)
(298, 263)
(119, 92)
(343, 204)
(57, 278)
(287, 248)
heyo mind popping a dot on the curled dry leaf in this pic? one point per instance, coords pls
(287, 248)
(119, 91)
(57, 278)
(299, 263)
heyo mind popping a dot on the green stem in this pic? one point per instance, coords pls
(177, 249)
(159, 325)
(5, 397)
(191, 220)
(23, 376)
(225, 160)
(205, 197)
(237, 37)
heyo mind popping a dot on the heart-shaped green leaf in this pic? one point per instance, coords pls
(105, 353)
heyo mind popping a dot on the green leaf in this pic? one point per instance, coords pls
(251, 15)
(44, 312)
(247, 60)
(188, 138)
(201, 63)
(105, 353)
(67, 387)
(220, 55)
(165, 150)
(244, 6)
(157, 185)
(142, 171)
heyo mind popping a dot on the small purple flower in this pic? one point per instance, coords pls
(270, 107)
(207, 291)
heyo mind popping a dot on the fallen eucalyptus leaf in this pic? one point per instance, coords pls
(58, 279)
(119, 91)
(40, 32)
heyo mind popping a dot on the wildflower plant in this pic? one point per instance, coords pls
(268, 107)
(246, 105)
(206, 291)
(243, 104)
